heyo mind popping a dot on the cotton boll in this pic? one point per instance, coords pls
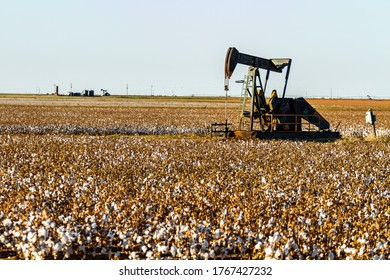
(271, 222)
(269, 251)
(149, 255)
(7, 222)
(278, 254)
(361, 251)
(134, 255)
(42, 233)
(173, 251)
(258, 246)
(31, 237)
(16, 233)
(163, 249)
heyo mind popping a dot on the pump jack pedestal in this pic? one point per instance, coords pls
(303, 135)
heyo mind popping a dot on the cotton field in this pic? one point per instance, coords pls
(125, 182)
(159, 117)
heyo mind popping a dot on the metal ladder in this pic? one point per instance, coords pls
(244, 105)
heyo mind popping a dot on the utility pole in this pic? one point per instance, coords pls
(55, 89)
(127, 89)
(151, 90)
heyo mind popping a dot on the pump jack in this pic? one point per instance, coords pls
(279, 117)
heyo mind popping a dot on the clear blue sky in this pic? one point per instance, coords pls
(339, 48)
